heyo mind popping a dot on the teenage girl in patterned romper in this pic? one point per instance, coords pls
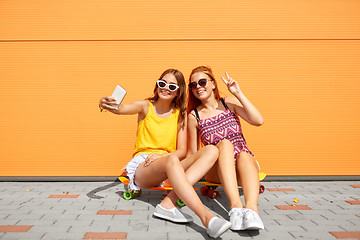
(215, 121)
(161, 142)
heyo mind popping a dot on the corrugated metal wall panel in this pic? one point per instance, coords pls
(287, 57)
(161, 19)
(50, 123)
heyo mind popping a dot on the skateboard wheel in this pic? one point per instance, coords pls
(204, 190)
(180, 203)
(261, 189)
(128, 195)
(213, 194)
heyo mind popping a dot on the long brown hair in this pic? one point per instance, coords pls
(180, 99)
(194, 102)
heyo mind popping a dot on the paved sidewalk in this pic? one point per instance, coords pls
(97, 210)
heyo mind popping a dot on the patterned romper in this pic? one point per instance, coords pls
(226, 125)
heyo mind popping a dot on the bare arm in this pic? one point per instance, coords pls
(124, 109)
(181, 142)
(192, 135)
(241, 105)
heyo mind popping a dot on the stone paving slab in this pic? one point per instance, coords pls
(28, 203)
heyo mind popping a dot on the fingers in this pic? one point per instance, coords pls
(108, 98)
(229, 80)
(108, 102)
(148, 162)
(231, 84)
(227, 75)
(149, 159)
(109, 107)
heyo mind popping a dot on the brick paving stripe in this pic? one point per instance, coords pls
(290, 207)
(114, 212)
(64, 196)
(280, 189)
(346, 235)
(15, 228)
(105, 235)
(354, 202)
(355, 186)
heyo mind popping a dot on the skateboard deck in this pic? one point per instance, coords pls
(209, 189)
(125, 181)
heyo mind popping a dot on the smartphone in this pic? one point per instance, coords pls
(119, 94)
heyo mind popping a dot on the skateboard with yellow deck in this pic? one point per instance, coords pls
(209, 189)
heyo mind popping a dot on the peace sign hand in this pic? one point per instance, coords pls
(231, 84)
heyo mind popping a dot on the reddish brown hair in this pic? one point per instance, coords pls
(193, 102)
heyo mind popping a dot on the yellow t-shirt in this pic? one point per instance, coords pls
(155, 134)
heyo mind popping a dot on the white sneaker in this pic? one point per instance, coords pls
(174, 215)
(217, 226)
(236, 218)
(252, 220)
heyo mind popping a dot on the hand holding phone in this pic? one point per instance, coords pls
(119, 94)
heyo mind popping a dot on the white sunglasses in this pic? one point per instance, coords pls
(171, 86)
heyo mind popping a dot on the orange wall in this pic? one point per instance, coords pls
(299, 63)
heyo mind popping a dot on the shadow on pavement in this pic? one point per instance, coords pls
(92, 194)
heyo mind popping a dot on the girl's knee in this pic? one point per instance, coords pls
(225, 144)
(172, 161)
(211, 150)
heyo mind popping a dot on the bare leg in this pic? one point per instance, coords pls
(171, 168)
(196, 166)
(248, 172)
(224, 172)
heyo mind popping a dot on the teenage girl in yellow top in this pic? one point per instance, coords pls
(161, 142)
